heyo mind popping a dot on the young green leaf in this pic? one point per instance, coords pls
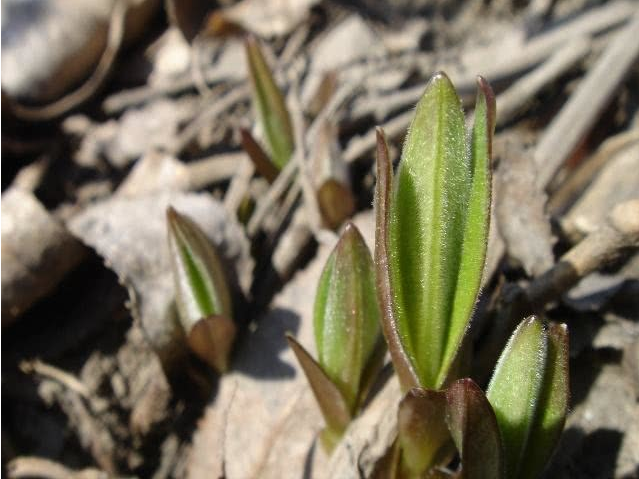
(516, 388)
(422, 431)
(334, 409)
(553, 405)
(473, 425)
(273, 115)
(346, 315)
(432, 232)
(402, 363)
(475, 235)
(201, 293)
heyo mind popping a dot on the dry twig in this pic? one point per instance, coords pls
(577, 117)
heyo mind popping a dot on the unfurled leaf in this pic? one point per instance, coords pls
(401, 362)
(273, 115)
(553, 405)
(473, 425)
(346, 315)
(330, 399)
(422, 430)
(516, 388)
(201, 292)
(432, 232)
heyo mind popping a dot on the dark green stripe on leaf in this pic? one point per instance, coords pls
(273, 115)
(200, 286)
(383, 189)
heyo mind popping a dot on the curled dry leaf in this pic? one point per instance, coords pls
(37, 252)
(265, 18)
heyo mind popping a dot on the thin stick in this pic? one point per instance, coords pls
(207, 115)
(264, 205)
(584, 107)
(213, 169)
(519, 93)
(599, 248)
(66, 379)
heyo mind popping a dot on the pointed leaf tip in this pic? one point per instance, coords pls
(516, 388)
(201, 289)
(273, 115)
(346, 314)
(385, 295)
(473, 425)
(329, 398)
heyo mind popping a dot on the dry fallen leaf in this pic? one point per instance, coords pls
(520, 210)
(37, 252)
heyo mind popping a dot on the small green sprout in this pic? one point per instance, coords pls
(202, 296)
(431, 236)
(272, 114)
(432, 231)
(347, 335)
(529, 392)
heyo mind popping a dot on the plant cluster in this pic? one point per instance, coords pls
(415, 298)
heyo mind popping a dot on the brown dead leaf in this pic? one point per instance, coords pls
(266, 18)
(37, 252)
(520, 210)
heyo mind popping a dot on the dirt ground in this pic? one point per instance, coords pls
(114, 110)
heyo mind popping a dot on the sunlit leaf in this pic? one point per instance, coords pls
(516, 388)
(552, 407)
(346, 315)
(200, 286)
(402, 363)
(273, 115)
(201, 293)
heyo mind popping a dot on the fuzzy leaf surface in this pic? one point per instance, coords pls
(516, 388)
(477, 222)
(346, 314)
(436, 249)
(553, 405)
(383, 190)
